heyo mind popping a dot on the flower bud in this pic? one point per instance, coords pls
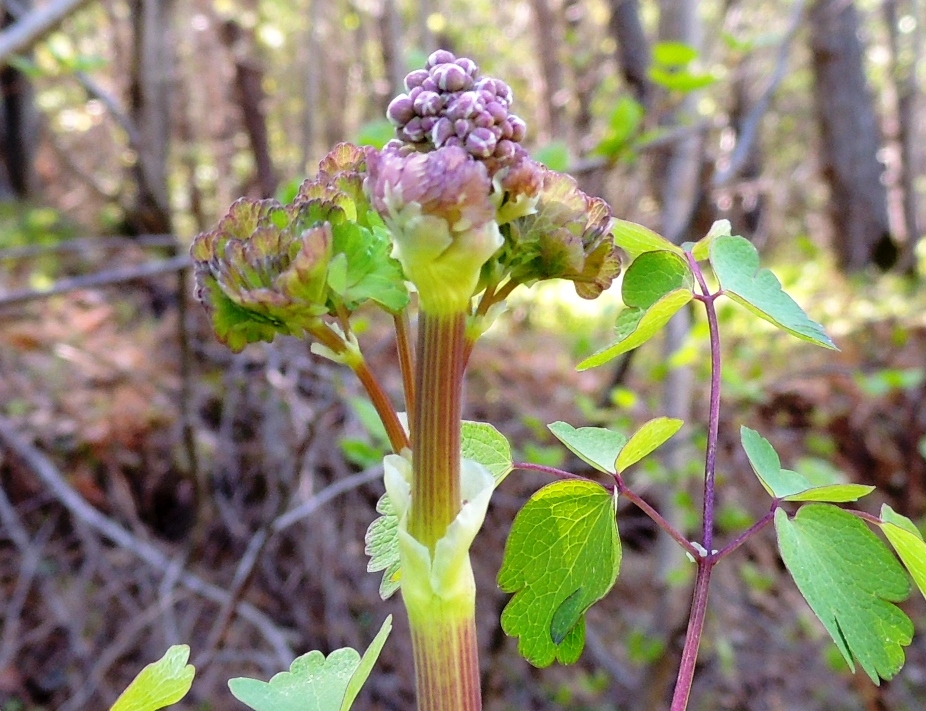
(400, 111)
(441, 56)
(518, 128)
(442, 130)
(428, 103)
(480, 143)
(451, 77)
(415, 78)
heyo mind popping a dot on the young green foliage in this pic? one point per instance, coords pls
(789, 485)
(562, 555)
(655, 286)
(646, 440)
(851, 581)
(595, 446)
(736, 264)
(480, 442)
(314, 682)
(907, 542)
(159, 684)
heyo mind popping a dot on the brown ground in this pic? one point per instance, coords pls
(90, 384)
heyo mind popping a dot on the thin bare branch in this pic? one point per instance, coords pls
(24, 33)
(104, 278)
(750, 127)
(80, 509)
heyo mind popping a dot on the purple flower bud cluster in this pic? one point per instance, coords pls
(450, 104)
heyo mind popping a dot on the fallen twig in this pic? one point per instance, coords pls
(111, 530)
(105, 278)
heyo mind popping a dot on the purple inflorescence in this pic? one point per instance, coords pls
(450, 104)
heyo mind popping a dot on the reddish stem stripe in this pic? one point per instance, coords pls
(435, 428)
(447, 666)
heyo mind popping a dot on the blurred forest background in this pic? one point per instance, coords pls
(158, 489)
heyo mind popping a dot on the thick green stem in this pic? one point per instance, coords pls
(442, 621)
(446, 665)
(435, 426)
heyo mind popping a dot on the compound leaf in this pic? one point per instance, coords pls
(908, 543)
(789, 485)
(595, 446)
(736, 263)
(851, 581)
(159, 684)
(562, 555)
(646, 440)
(314, 682)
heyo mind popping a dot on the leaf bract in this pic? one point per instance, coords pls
(736, 264)
(562, 555)
(636, 239)
(480, 442)
(851, 581)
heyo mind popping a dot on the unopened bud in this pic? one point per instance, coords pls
(518, 128)
(480, 143)
(401, 110)
(415, 78)
(468, 66)
(441, 56)
(428, 103)
(451, 77)
(442, 130)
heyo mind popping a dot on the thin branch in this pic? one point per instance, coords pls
(86, 244)
(24, 33)
(80, 509)
(104, 278)
(750, 126)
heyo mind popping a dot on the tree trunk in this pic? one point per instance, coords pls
(18, 129)
(904, 62)
(249, 76)
(633, 53)
(152, 66)
(549, 41)
(850, 138)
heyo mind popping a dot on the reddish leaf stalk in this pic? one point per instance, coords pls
(406, 360)
(384, 408)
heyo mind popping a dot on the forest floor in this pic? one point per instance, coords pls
(115, 545)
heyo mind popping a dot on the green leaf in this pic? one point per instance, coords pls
(159, 684)
(554, 155)
(682, 81)
(674, 54)
(382, 545)
(850, 580)
(636, 239)
(789, 485)
(484, 444)
(480, 442)
(646, 440)
(635, 327)
(369, 658)
(701, 249)
(314, 682)
(736, 263)
(368, 270)
(624, 122)
(655, 286)
(908, 543)
(562, 555)
(595, 446)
